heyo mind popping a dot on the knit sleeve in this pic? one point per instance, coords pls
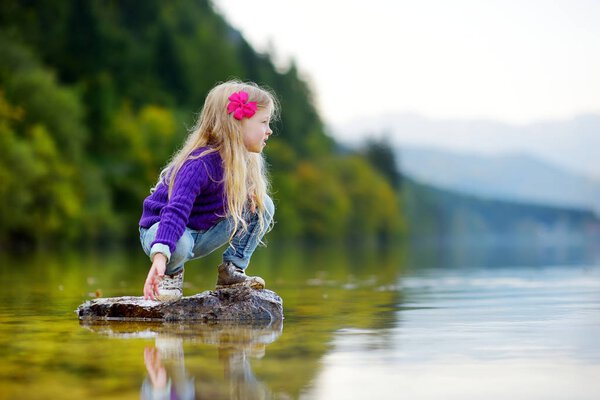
(174, 216)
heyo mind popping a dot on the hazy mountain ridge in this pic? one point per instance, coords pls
(444, 215)
(512, 177)
(572, 144)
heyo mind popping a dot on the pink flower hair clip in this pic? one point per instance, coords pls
(240, 107)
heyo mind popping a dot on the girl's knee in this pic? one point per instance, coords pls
(269, 208)
(183, 249)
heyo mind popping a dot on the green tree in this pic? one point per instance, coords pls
(41, 191)
(380, 154)
(141, 144)
(51, 193)
(375, 211)
(321, 203)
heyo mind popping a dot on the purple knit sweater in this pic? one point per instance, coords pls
(197, 200)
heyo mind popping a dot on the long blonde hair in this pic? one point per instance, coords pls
(244, 178)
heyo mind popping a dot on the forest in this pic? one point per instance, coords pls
(96, 95)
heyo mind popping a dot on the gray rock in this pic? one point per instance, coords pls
(231, 304)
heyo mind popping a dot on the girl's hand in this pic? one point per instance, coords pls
(155, 275)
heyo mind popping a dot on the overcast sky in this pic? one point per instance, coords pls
(511, 61)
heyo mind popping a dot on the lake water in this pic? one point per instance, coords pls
(450, 322)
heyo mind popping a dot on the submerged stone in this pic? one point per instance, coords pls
(229, 304)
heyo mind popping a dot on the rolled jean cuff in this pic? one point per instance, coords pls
(237, 261)
(160, 248)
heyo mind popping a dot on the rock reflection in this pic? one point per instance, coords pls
(167, 377)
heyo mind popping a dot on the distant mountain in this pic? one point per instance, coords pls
(512, 177)
(572, 144)
(445, 216)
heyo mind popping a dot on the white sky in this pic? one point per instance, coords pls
(512, 61)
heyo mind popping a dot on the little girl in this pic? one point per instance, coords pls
(213, 191)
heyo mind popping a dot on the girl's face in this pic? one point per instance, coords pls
(256, 130)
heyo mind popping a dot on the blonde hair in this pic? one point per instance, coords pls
(244, 178)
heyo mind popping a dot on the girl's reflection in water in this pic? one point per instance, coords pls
(167, 376)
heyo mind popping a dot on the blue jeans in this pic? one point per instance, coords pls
(197, 243)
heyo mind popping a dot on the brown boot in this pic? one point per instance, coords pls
(230, 276)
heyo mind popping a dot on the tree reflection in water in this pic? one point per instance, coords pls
(167, 377)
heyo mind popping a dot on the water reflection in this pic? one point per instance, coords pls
(167, 376)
